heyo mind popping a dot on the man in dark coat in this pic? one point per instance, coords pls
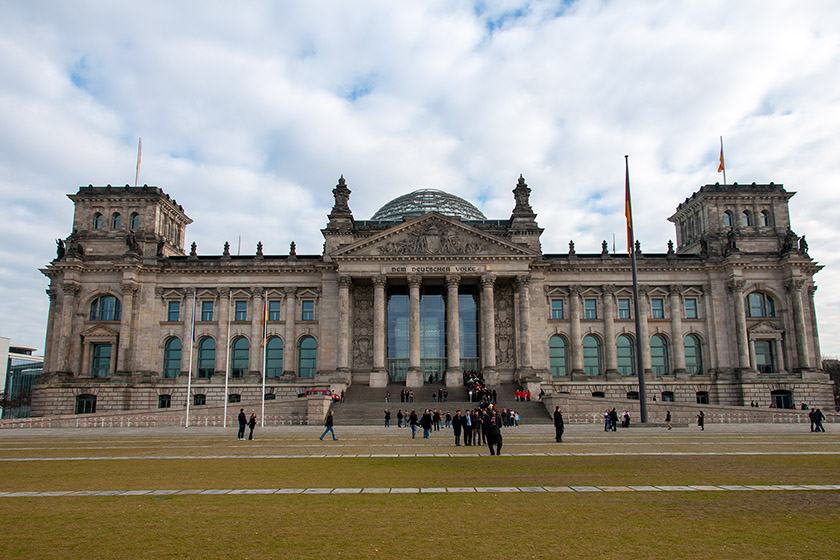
(456, 426)
(466, 423)
(613, 419)
(243, 420)
(493, 433)
(558, 424)
(426, 422)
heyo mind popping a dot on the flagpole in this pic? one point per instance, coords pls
(722, 166)
(189, 378)
(227, 358)
(631, 242)
(265, 355)
(137, 173)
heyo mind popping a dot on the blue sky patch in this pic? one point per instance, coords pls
(79, 74)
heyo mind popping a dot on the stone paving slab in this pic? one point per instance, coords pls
(432, 490)
(376, 490)
(347, 491)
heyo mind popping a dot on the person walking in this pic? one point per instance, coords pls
(426, 422)
(252, 423)
(668, 418)
(329, 423)
(558, 424)
(456, 426)
(399, 418)
(493, 432)
(412, 421)
(701, 420)
(818, 418)
(387, 418)
(243, 420)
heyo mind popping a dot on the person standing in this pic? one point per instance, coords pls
(329, 423)
(607, 420)
(493, 432)
(412, 421)
(243, 420)
(466, 423)
(387, 418)
(558, 424)
(426, 422)
(614, 419)
(668, 418)
(701, 420)
(387, 396)
(456, 426)
(252, 423)
(399, 418)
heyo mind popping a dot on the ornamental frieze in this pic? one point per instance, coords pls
(434, 239)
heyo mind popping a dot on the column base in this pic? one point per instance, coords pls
(378, 378)
(414, 378)
(491, 377)
(454, 377)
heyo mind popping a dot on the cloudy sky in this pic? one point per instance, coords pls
(250, 111)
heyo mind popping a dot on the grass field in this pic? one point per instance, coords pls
(650, 524)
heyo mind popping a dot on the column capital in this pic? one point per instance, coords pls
(575, 289)
(255, 292)
(380, 281)
(415, 281)
(129, 288)
(735, 286)
(224, 293)
(290, 291)
(345, 280)
(453, 280)
(70, 288)
(608, 289)
(675, 289)
(794, 284)
(488, 280)
(522, 280)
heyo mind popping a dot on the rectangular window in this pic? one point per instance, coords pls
(657, 308)
(690, 308)
(273, 310)
(100, 365)
(307, 310)
(764, 356)
(624, 308)
(590, 307)
(557, 309)
(206, 310)
(240, 311)
(173, 311)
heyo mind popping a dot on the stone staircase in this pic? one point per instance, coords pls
(365, 406)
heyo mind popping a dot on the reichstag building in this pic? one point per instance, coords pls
(428, 286)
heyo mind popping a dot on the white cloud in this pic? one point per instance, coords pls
(248, 116)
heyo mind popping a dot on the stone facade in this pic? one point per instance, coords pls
(726, 318)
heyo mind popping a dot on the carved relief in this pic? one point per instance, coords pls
(505, 338)
(362, 327)
(434, 238)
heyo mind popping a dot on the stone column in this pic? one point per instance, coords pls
(803, 358)
(488, 324)
(290, 345)
(454, 376)
(186, 337)
(65, 342)
(221, 340)
(677, 342)
(414, 375)
(644, 305)
(255, 355)
(379, 375)
(576, 342)
(525, 365)
(610, 350)
(736, 288)
(344, 283)
(129, 290)
(50, 348)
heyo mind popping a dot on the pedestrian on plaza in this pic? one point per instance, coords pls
(426, 422)
(448, 421)
(558, 424)
(440, 395)
(668, 418)
(402, 395)
(493, 432)
(626, 419)
(387, 418)
(243, 420)
(436, 419)
(387, 396)
(411, 395)
(701, 420)
(434, 396)
(819, 417)
(445, 395)
(613, 419)
(399, 418)
(252, 423)
(412, 421)
(329, 424)
(607, 420)
(466, 423)
(456, 426)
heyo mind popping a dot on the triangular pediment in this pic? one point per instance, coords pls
(764, 328)
(99, 333)
(432, 235)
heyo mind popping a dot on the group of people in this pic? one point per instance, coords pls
(479, 425)
(816, 417)
(244, 421)
(611, 420)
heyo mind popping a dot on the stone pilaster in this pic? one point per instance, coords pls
(71, 289)
(803, 357)
(379, 375)
(576, 342)
(453, 341)
(414, 375)
(290, 344)
(344, 283)
(488, 324)
(124, 363)
(677, 342)
(523, 293)
(610, 351)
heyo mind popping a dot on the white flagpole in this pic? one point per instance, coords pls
(265, 355)
(189, 378)
(227, 358)
(137, 174)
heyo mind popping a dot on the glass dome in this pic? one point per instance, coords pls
(424, 201)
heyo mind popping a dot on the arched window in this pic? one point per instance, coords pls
(164, 401)
(659, 355)
(765, 218)
(97, 221)
(557, 355)
(746, 219)
(134, 221)
(239, 357)
(172, 358)
(626, 355)
(693, 355)
(760, 305)
(116, 221)
(274, 357)
(727, 219)
(307, 357)
(206, 357)
(85, 404)
(105, 308)
(591, 355)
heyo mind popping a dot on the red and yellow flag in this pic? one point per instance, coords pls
(720, 167)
